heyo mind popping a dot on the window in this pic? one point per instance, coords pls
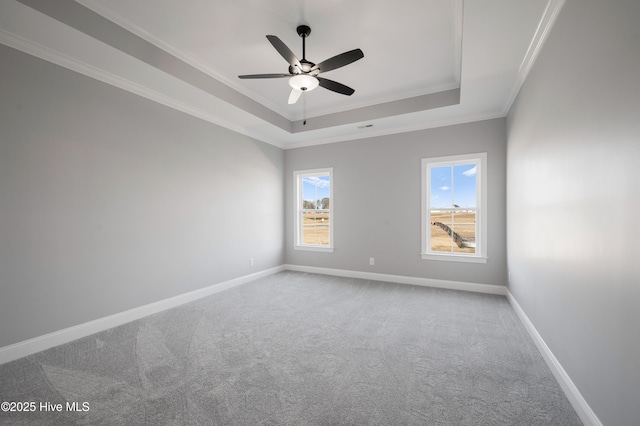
(454, 219)
(313, 209)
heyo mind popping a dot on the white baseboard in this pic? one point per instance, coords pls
(37, 344)
(579, 404)
(40, 343)
(402, 279)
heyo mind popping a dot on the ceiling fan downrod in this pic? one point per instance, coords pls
(304, 31)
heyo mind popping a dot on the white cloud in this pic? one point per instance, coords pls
(471, 172)
(317, 182)
(444, 188)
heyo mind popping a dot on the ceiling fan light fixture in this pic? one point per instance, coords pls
(303, 82)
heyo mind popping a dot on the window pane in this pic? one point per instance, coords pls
(440, 225)
(441, 187)
(315, 192)
(453, 231)
(464, 225)
(315, 228)
(464, 185)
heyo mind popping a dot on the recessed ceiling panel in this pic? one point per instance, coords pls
(411, 47)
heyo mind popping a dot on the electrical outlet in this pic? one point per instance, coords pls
(372, 261)
(251, 262)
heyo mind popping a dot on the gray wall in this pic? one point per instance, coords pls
(377, 201)
(109, 201)
(573, 201)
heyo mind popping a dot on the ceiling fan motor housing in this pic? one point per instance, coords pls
(306, 67)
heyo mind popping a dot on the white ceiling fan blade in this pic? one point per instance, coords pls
(294, 96)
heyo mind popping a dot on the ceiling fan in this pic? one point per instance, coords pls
(303, 74)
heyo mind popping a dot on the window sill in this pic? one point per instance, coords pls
(314, 248)
(454, 258)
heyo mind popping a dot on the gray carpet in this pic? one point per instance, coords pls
(301, 349)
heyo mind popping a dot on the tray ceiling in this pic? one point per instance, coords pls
(427, 62)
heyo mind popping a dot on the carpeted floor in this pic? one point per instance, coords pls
(301, 349)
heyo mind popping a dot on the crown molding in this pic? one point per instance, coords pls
(214, 111)
(458, 26)
(188, 58)
(428, 124)
(542, 32)
(399, 96)
(45, 53)
(199, 64)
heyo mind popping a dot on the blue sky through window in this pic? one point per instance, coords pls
(453, 185)
(315, 188)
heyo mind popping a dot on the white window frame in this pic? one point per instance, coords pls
(480, 160)
(298, 176)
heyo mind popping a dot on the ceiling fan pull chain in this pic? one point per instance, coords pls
(304, 109)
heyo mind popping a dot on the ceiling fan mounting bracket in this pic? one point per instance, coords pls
(303, 30)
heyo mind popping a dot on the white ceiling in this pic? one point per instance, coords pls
(188, 55)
